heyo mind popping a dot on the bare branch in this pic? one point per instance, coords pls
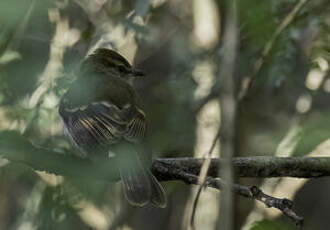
(285, 205)
(203, 176)
(256, 166)
(17, 149)
(253, 192)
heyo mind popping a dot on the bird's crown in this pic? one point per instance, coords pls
(110, 62)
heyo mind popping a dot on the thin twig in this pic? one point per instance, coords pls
(267, 48)
(214, 93)
(253, 192)
(194, 208)
(250, 80)
(284, 205)
(202, 177)
(14, 43)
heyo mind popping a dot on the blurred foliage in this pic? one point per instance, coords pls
(315, 131)
(270, 225)
(168, 52)
(257, 22)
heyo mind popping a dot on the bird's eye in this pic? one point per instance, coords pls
(122, 69)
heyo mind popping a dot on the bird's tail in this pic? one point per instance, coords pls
(158, 196)
(140, 186)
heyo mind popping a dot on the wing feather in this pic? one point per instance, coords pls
(100, 124)
(136, 129)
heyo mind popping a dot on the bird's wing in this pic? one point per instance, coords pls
(101, 123)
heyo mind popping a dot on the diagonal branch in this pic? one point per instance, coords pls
(268, 46)
(202, 177)
(284, 205)
(253, 192)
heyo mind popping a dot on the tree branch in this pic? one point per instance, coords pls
(17, 149)
(252, 192)
(256, 166)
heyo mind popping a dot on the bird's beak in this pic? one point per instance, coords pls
(138, 73)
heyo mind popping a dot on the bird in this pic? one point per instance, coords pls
(102, 114)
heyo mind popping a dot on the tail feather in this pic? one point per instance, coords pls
(140, 186)
(136, 184)
(158, 196)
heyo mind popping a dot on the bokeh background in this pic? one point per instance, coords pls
(284, 46)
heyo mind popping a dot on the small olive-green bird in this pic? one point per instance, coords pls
(101, 114)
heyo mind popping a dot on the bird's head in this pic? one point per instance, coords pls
(112, 63)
